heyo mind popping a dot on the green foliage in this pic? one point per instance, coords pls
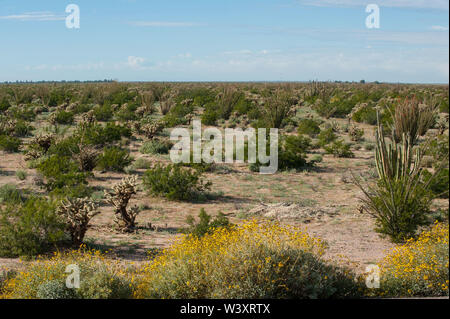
(105, 285)
(10, 144)
(366, 114)
(114, 159)
(156, 147)
(175, 182)
(439, 182)
(63, 117)
(55, 289)
(308, 127)
(4, 104)
(339, 149)
(326, 136)
(21, 175)
(61, 173)
(10, 194)
(103, 113)
(209, 117)
(29, 229)
(206, 225)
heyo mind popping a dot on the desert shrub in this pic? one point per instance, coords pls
(61, 172)
(54, 289)
(206, 225)
(21, 175)
(317, 158)
(419, 268)
(10, 144)
(249, 261)
(30, 228)
(175, 182)
(209, 117)
(95, 134)
(10, 194)
(141, 163)
(276, 108)
(156, 147)
(22, 129)
(114, 159)
(339, 149)
(100, 278)
(326, 136)
(356, 134)
(439, 183)
(308, 127)
(63, 117)
(292, 151)
(103, 113)
(366, 114)
(4, 104)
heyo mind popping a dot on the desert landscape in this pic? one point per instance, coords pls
(97, 155)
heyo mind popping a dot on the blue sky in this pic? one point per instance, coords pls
(225, 40)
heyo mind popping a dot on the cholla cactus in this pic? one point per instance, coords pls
(39, 146)
(119, 198)
(7, 126)
(87, 157)
(88, 118)
(150, 130)
(77, 214)
(355, 133)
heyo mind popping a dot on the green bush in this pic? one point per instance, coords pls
(439, 184)
(63, 117)
(105, 285)
(114, 159)
(366, 114)
(156, 147)
(103, 113)
(326, 137)
(339, 149)
(10, 144)
(206, 225)
(175, 182)
(209, 117)
(21, 175)
(61, 173)
(29, 229)
(55, 289)
(10, 194)
(308, 127)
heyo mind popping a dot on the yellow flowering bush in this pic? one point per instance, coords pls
(419, 267)
(248, 261)
(45, 278)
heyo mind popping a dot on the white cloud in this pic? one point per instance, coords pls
(438, 28)
(164, 24)
(34, 16)
(432, 4)
(135, 62)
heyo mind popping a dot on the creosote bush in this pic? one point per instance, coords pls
(114, 159)
(175, 182)
(30, 228)
(206, 225)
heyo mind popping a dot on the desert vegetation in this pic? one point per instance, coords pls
(86, 179)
